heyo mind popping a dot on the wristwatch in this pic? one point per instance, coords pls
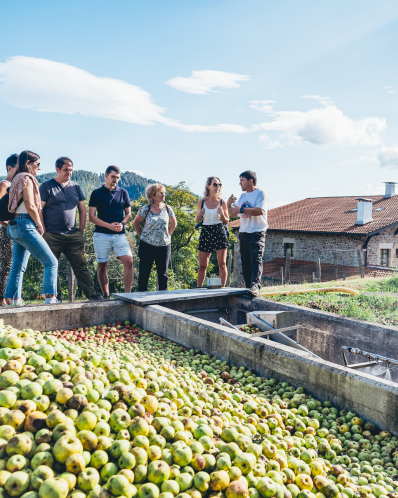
(241, 209)
(123, 223)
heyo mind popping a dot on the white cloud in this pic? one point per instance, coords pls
(388, 157)
(46, 86)
(323, 126)
(389, 89)
(268, 143)
(323, 100)
(203, 82)
(136, 172)
(210, 129)
(263, 106)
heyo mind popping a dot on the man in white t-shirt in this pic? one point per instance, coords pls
(252, 208)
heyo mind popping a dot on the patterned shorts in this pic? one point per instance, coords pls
(212, 238)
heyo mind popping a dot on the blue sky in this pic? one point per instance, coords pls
(182, 90)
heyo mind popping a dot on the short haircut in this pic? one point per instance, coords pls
(61, 161)
(112, 168)
(12, 161)
(152, 190)
(249, 175)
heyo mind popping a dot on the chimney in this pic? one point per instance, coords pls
(364, 211)
(390, 190)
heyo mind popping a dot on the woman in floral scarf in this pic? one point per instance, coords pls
(26, 231)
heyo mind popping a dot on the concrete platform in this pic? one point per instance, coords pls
(162, 297)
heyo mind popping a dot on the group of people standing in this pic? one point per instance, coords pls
(215, 213)
(43, 222)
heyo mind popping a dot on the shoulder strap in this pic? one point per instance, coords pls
(203, 202)
(149, 208)
(221, 202)
(168, 212)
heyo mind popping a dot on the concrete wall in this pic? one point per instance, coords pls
(65, 316)
(374, 399)
(327, 332)
(220, 304)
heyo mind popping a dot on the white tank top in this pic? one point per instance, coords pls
(21, 209)
(211, 217)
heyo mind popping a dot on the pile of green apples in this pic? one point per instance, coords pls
(152, 419)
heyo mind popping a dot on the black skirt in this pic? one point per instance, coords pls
(212, 238)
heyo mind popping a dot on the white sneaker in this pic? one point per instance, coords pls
(16, 302)
(51, 300)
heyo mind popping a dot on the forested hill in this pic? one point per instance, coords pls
(133, 183)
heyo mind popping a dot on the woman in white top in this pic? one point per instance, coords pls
(5, 241)
(213, 209)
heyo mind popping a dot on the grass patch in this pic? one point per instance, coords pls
(382, 285)
(381, 309)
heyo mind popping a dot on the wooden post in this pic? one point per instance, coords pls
(335, 264)
(229, 264)
(287, 266)
(319, 270)
(343, 275)
(71, 284)
(281, 275)
(313, 277)
(359, 257)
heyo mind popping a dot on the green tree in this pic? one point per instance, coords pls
(184, 241)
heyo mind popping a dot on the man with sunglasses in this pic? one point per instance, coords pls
(252, 209)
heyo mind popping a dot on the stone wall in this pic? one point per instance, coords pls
(237, 270)
(307, 247)
(386, 240)
(310, 247)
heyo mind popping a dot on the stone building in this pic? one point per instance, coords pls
(330, 229)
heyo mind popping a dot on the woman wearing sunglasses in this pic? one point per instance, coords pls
(26, 231)
(213, 210)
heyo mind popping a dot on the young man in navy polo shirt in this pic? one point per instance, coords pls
(110, 209)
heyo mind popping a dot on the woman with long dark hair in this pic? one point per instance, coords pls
(213, 209)
(26, 231)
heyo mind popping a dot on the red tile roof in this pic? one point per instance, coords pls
(331, 215)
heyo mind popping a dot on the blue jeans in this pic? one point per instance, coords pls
(27, 240)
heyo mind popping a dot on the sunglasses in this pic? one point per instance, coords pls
(217, 185)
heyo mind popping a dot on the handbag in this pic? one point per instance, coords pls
(200, 224)
(5, 215)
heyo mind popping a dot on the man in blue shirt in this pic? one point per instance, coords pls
(60, 199)
(110, 209)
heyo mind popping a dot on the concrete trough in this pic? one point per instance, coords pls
(372, 398)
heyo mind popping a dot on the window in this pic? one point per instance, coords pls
(384, 257)
(286, 246)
